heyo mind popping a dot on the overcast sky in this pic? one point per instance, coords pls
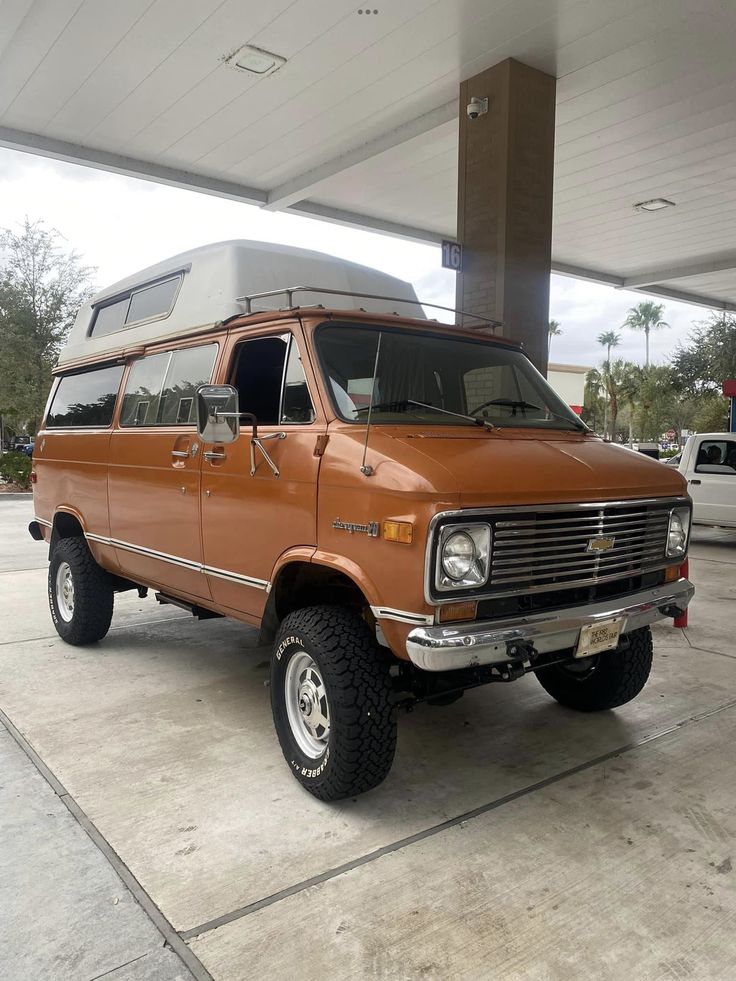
(121, 224)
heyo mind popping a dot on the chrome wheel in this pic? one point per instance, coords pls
(65, 592)
(307, 707)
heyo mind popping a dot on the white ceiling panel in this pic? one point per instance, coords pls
(361, 117)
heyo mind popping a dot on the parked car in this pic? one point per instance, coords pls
(28, 448)
(406, 509)
(18, 444)
(708, 463)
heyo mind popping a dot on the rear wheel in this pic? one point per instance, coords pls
(332, 704)
(80, 593)
(604, 681)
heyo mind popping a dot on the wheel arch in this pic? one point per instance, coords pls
(302, 581)
(67, 523)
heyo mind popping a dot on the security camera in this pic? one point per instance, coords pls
(476, 107)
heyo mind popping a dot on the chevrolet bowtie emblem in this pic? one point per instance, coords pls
(600, 544)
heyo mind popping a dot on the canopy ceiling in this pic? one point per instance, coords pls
(359, 125)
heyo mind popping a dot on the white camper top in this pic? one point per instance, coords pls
(199, 288)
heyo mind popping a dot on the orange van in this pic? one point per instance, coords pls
(405, 508)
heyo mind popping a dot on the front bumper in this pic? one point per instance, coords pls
(446, 648)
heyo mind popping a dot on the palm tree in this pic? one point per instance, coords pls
(554, 331)
(609, 339)
(646, 316)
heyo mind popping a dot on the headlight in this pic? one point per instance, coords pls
(677, 532)
(463, 556)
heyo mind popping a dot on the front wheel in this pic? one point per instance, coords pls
(80, 593)
(332, 705)
(604, 681)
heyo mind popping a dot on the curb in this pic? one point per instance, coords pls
(26, 496)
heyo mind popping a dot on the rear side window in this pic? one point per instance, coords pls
(160, 388)
(145, 303)
(85, 399)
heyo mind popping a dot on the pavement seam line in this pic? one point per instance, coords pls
(114, 970)
(419, 836)
(118, 626)
(706, 650)
(170, 936)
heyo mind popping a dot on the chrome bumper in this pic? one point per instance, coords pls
(445, 648)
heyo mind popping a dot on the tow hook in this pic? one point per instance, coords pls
(671, 611)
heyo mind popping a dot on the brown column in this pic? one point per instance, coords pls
(504, 218)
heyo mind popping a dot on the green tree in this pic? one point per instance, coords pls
(646, 317)
(42, 286)
(709, 358)
(554, 330)
(609, 339)
(655, 401)
(593, 400)
(620, 380)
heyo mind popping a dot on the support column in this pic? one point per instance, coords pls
(504, 219)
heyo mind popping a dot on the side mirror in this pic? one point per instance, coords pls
(218, 416)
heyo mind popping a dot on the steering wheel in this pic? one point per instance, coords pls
(483, 405)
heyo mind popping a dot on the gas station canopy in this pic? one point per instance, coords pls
(350, 113)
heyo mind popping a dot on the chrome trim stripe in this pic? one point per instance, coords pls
(236, 577)
(402, 616)
(42, 521)
(182, 563)
(463, 514)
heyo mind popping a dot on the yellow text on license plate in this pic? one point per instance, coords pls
(598, 637)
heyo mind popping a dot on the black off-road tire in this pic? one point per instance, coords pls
(360, 747)
(93, 593)
(614, 678)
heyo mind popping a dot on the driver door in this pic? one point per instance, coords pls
(250, 518)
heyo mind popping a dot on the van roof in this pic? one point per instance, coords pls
(208, 285)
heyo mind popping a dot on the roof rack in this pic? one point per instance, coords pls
(289, 291)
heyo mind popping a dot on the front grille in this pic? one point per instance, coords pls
(550, 549)
(547, 549)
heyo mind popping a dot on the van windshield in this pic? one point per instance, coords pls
(440, 380)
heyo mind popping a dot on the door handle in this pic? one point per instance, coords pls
(213, 455)
(696, 481)
(181, 454)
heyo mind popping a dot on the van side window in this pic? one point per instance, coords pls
(160, 388)
(144, 303)
(296, 405)
(189, 368)
(270, 380)
(85, 399)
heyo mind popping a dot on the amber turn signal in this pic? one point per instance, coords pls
(398, 531)
(672, 573)
(458, 611)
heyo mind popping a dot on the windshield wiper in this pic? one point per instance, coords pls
(523, 405)
(403, 403)
(459, 415)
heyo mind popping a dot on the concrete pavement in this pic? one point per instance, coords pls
(513, 838)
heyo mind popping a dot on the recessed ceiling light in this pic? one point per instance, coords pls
(255, 61)
(656, 204)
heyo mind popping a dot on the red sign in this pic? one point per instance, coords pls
(729, 388)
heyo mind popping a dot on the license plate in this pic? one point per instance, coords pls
(598, 637)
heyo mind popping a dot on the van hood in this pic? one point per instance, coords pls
(531, 467)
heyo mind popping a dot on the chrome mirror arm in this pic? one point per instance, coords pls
(258, 441)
